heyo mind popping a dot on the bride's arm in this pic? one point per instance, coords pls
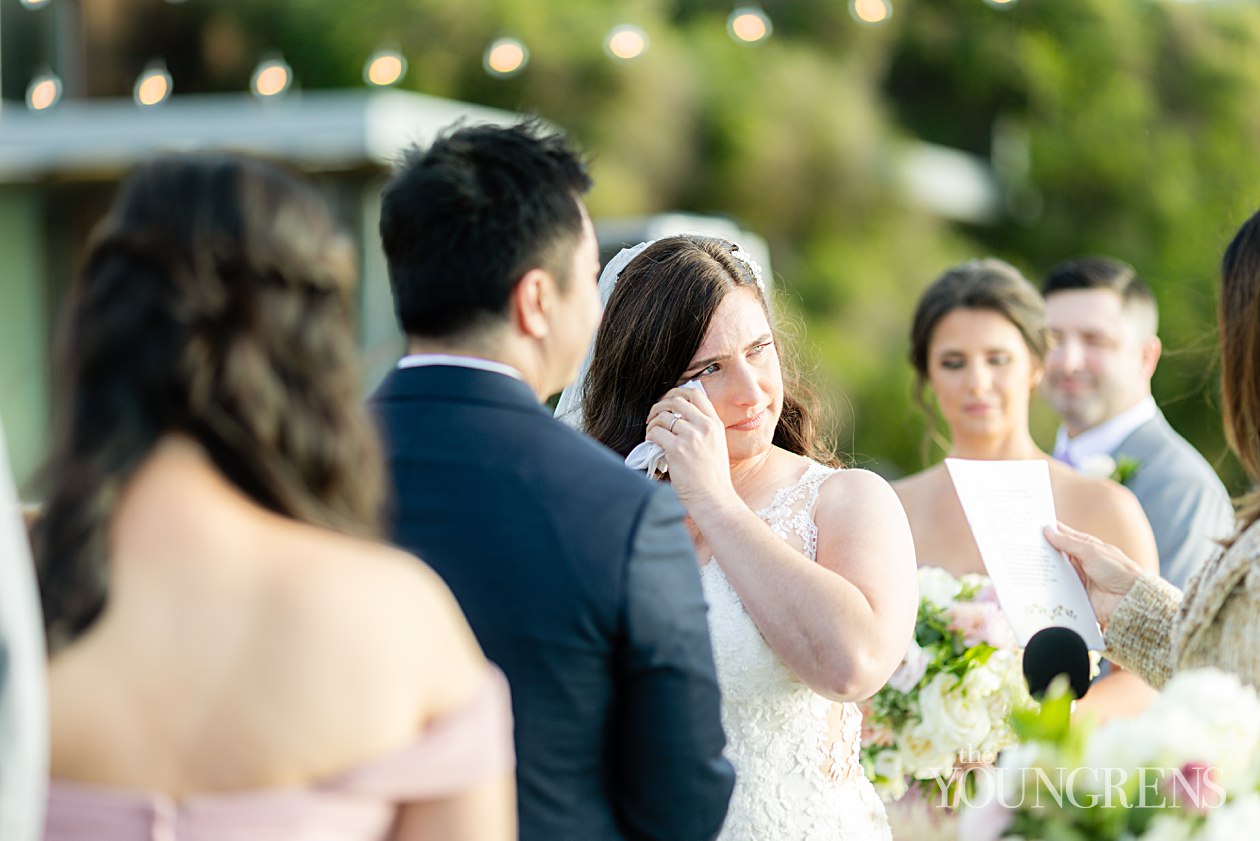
(841, 624)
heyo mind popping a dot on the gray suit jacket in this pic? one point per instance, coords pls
(23, 705)
(1187, 505)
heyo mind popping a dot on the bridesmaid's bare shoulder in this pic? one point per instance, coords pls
(921, 486)
(1105, 509)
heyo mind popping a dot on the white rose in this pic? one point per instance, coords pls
(938, 586)
(1209, 716)
(1212, 692)
(983, 682)
(1127, 743)
(1169, 828)
(956, 720)
(1236, 819)
(1099, 466)
(974, 581)
(888, 765)
(922, 755)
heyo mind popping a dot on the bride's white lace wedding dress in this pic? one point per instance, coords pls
(795, 752)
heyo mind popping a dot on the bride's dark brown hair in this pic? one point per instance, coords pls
(214, 303)
(655, 320)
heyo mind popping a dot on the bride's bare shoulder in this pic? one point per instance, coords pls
(858, 497)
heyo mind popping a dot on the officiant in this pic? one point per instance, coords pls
(1150, 626)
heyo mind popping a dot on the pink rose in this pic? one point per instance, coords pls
(913, 666)
(979, 622)
(1197, 785)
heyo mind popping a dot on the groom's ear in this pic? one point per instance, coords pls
(533, 299)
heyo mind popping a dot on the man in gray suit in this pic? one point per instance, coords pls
(23, 710)
(1103, 321)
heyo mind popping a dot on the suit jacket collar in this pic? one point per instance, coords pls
(1147, 439)
(1106, 437)
(448, 383)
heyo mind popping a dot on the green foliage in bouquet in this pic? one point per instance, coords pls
(1186, 768)
(950, 701)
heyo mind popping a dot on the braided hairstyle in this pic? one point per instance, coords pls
(214, 303)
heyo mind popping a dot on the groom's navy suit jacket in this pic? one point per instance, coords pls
(578, 578)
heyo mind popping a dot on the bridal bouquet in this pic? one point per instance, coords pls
(1188, 767)
(950, 702)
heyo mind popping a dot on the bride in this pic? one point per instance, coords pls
(808, 569)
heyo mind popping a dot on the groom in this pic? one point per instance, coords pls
(576, 574)
(1103, 318)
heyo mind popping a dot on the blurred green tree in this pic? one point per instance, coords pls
(1122, 127)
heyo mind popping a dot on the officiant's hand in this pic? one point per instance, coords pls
(687, 427)
(1106, 572)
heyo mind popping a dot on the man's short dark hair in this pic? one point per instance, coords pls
(463, 220)
(1099, 273)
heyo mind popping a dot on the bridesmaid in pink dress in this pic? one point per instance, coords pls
(234, 654)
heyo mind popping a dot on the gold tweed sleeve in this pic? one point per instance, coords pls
(1140, 634)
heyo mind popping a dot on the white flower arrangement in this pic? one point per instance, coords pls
(953, 695)
(1186, 769)
(1103, 466)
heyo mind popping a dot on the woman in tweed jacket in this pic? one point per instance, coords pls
(1150, 626)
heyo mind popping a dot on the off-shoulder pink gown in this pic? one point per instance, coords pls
(459, 750)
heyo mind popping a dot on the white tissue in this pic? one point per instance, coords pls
(649, 456)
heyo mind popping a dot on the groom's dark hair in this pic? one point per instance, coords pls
(463, 220)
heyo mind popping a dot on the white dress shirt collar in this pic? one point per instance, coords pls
(1104, 438)
(421, 360)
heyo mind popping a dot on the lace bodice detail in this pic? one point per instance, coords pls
(795, 752)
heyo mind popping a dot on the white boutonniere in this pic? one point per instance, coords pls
(1103, 466)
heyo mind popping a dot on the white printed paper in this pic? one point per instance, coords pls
(1007, 504)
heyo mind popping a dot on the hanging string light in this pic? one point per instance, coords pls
(153, 86)
(1001, 4)
(626, 42)
(272, 77)
(870, 12)
(505, 57)
(43, 92)
(385, 68)
(749, 25)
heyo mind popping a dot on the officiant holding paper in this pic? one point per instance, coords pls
(977, 343)
(1150, 626)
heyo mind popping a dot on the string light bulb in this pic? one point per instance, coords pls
(272, 77)
(870, 12)
(626, 42)
(153, 86)
(385, 68)
(34, 4)
(43, 92)
(749, 25)
(505, 57)
(1001, 4)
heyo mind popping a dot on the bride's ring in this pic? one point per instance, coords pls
(674, 422)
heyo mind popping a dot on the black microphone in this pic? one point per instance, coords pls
(1052, 652)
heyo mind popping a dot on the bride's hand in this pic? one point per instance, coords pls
(687, 427)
